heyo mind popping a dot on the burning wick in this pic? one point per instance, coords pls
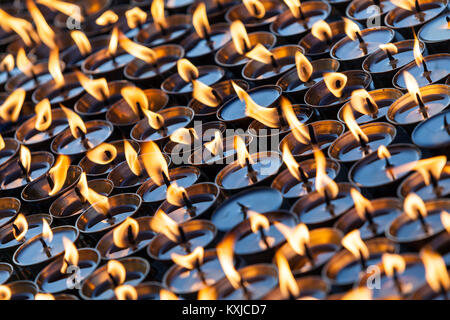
(312, 135)
(217, 96)
(362, 43)
(184, 242)
(304, 179)
(251, 173)
(423, 223)
(422, 108)
(446, 125)
(45, 247)
(244, 210)
(188, 203)
(329, 205)
(24, 170)
(166, 179)
(364, 147)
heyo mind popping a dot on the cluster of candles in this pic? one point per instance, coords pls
(350, 202)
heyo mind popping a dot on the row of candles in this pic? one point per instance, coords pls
(94, 155)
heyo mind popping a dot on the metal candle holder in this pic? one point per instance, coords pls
(22, 290)
(367, 11)
(310, 287)
(436, 41)
(215, 10)
(9, 208)
(101, 65)
(6, 271)
(10, 150)
(178, 26)
(73, 58)
(435, 126)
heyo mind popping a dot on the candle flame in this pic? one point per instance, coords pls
(445, 219)
(11, 107)
(297, 237)
(69, 9)
(104, 153)
(46, 34)
(99, 202)
(47, 233)
(126, 233)
(167, 295)
(287, 283)
(71, 256)
(360, 293)
(58, 173)
(126, 292)
(413, 205)
(389, 47)
(404, 4)
(5, 292)
(117, 271)
(258, 221)
(7, 64)
(43, 115)
(335, 82)
(97, 88)
(113, 42)
(162, 223)
(267, 116)
(416, 51)
(352, 242)
(412, 86)
(157, 10)
(355, 129)
(321, 30)
(351, 28)
(135, 17)
(294, 6)
(54, 67)
(2, 143)
(255, 8)
(139, 51)
(154, 162)
(23, 63)
(189, 261)
(215, 146)
(184, 136)
(200, 21)
(290, 162)
(240, 37)
(393, 263)
(107, 18)
(25, 158)
(226, 258)
(383, 152)
(304, 67)
(204, 94)
(299, 130)
(82, 42)
(436, 272)
(76, 124)
(207, 293)
(359, 101)
(44, 296)
(176, 195)
(242, 153)
(132, 158)
(22, 27)
(21, 227)
(187, 71)
(324, 184)
(362, 204)
(260, 53)
(155, 120)
(135, 97)
(429, 169)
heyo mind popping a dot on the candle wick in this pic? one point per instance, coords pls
(362, 43)
(372, 225)
(251, 173)
(435, 183)
(139, 109)
(34, 76)
(446, 125)
(443, 291)
(398, 283)
(377, 3)
(425, 68)
(217, 96)
(50, 181)
(312, 135)
(373, 108)
(244, 210)
(304, 179)
(113, 279)
(188, 203)
(247, 293)
(263, 236)
(80, 195)
(246, 48)
(422, 108)
(274, 62)
(423, 223)
(327, 39)
(45, 247)
(362, 260)
(417, 6)
(16, 229)
(130, 236)
(24, 171)
(281, 119)
(163, 29)
(329, 205)
(183, 240)
(84, 140)
(200, 272)
(308, 254)
(302, 15)
(364, 146)
(166, 179)
(219, 4)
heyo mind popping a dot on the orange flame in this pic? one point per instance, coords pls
(107, 18)
(353, 243)
(435, 270)
(200, 21)
(187, 71)
(225, 254)
(139, 51)
(429, 169)
(126, 292)
(297, 237)
(413, 206)
(43, 115)
(22, 27)
(157, 10)
(132, 158)
(404, 4)
(288, 285)
(23, 63)
(389, 47)
(351, 28)
(355, 129)
(113, 42)
(2, 142)
(241, 150)
(215, 146)
(393, 263)
(362, 205)
(184, 136)
(44, 31)
(135, 17)
(360, 293)
(189, 261)
(21, 227)
(321, 30)
(7, 64)
(335, 82)
(99, 202)
(167, 295)
(47, 233)
(154, 162)
(255, 8)
(299, 131)
(54, 67)
(126, 233)
(58, 173)
(324, 184)
(207, 293)
(75, 122)
(135, 98)
(5, 292)
(25, 158)
(294, 6)
(416, 51)
(359, 99)
(69, 9)
(104, 153)
(445, 219)
(97, 88)
(240, 37)
(290, 162)
(116, 270)
(11, 107)
(44, 296)
(412, 86)
(304, 67)
(82, 42)
(258, 221)
(383, 152)
(175, 195)
(162, 223)
(267, 116)
(204, 94)
(71, 256)
(260, 53)
(155, 120)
